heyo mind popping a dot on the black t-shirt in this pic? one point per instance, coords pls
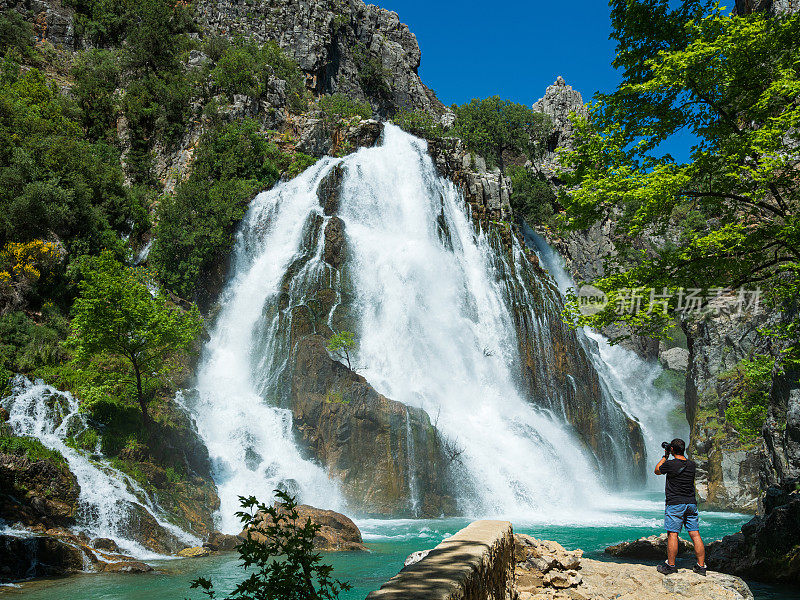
(680, 484)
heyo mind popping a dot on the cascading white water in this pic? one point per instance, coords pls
(436, 332)
(434, 326)
(627, 377)
(249, 438)
(106, 494)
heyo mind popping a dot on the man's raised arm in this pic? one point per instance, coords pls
(658, 466)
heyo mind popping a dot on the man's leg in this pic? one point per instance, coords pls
(699, 548)
(672, 547)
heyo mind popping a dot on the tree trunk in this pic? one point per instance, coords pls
(139, 395)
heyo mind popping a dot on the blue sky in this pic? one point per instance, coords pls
(512, 48)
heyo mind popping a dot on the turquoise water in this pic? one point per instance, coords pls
(389, 543)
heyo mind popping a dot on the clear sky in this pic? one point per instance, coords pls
(514, 48)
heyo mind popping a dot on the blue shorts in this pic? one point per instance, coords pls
(678, 515)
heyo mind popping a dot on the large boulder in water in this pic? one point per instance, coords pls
(364, 439)
(336, 531)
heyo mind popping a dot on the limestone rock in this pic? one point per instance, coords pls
(545, 555)
(337, 532)
(676, 359)
(599, 580)
(194, 552)
(334, 250)
(105, 544)
(333, 42)
(41, 556)
(340, 419)
(653, 547)
(217, 541)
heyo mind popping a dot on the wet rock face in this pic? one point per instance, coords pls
(40, 556)
(340, 420)
(336, 531)
(768, 547)
(36, 492)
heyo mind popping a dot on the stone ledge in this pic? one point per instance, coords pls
(477, 563)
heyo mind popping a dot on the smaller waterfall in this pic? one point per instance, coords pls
(628, 378)
(413, 485)
(107, 496)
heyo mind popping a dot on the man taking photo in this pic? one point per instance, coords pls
(681, 508)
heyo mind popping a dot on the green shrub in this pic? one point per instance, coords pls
(53, 180)
(97, 76)
(30, 447)
(196, 224)
(246, 68)
(26, 346)
(419, 123)
(339, 106)
(492, 126)
(15, 32)
(372, 75)
(282, 560)
(532, 198)
(747, 409)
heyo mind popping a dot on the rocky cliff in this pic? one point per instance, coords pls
(343, 46)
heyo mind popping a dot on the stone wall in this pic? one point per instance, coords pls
(477, 563)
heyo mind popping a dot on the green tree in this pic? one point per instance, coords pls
(196, 225)
(533, 198)
(116, 313)
(493, 126)
(285, 566)
(341, 345)
(97, 77)
(727, 216)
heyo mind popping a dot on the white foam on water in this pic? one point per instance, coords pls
(107, 495)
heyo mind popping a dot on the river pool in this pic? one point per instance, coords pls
(389, 541)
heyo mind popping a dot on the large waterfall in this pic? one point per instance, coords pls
(432, 302)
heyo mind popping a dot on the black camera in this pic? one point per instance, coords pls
(666, 446)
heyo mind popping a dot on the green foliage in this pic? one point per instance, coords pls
(372, 75)
(97, 76)
(15, 33)
(339, 106)
(196, 225)
(492, 126)
(747, 409)
(532, 196)
(53, 180)
(341, 344)
(30, 447)
(116, 314)
(732, 83)
(299, 163)
(285, 566)
(26, 346)
(418, 123)
(246, 68)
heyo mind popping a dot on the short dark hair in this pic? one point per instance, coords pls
(678, 446)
